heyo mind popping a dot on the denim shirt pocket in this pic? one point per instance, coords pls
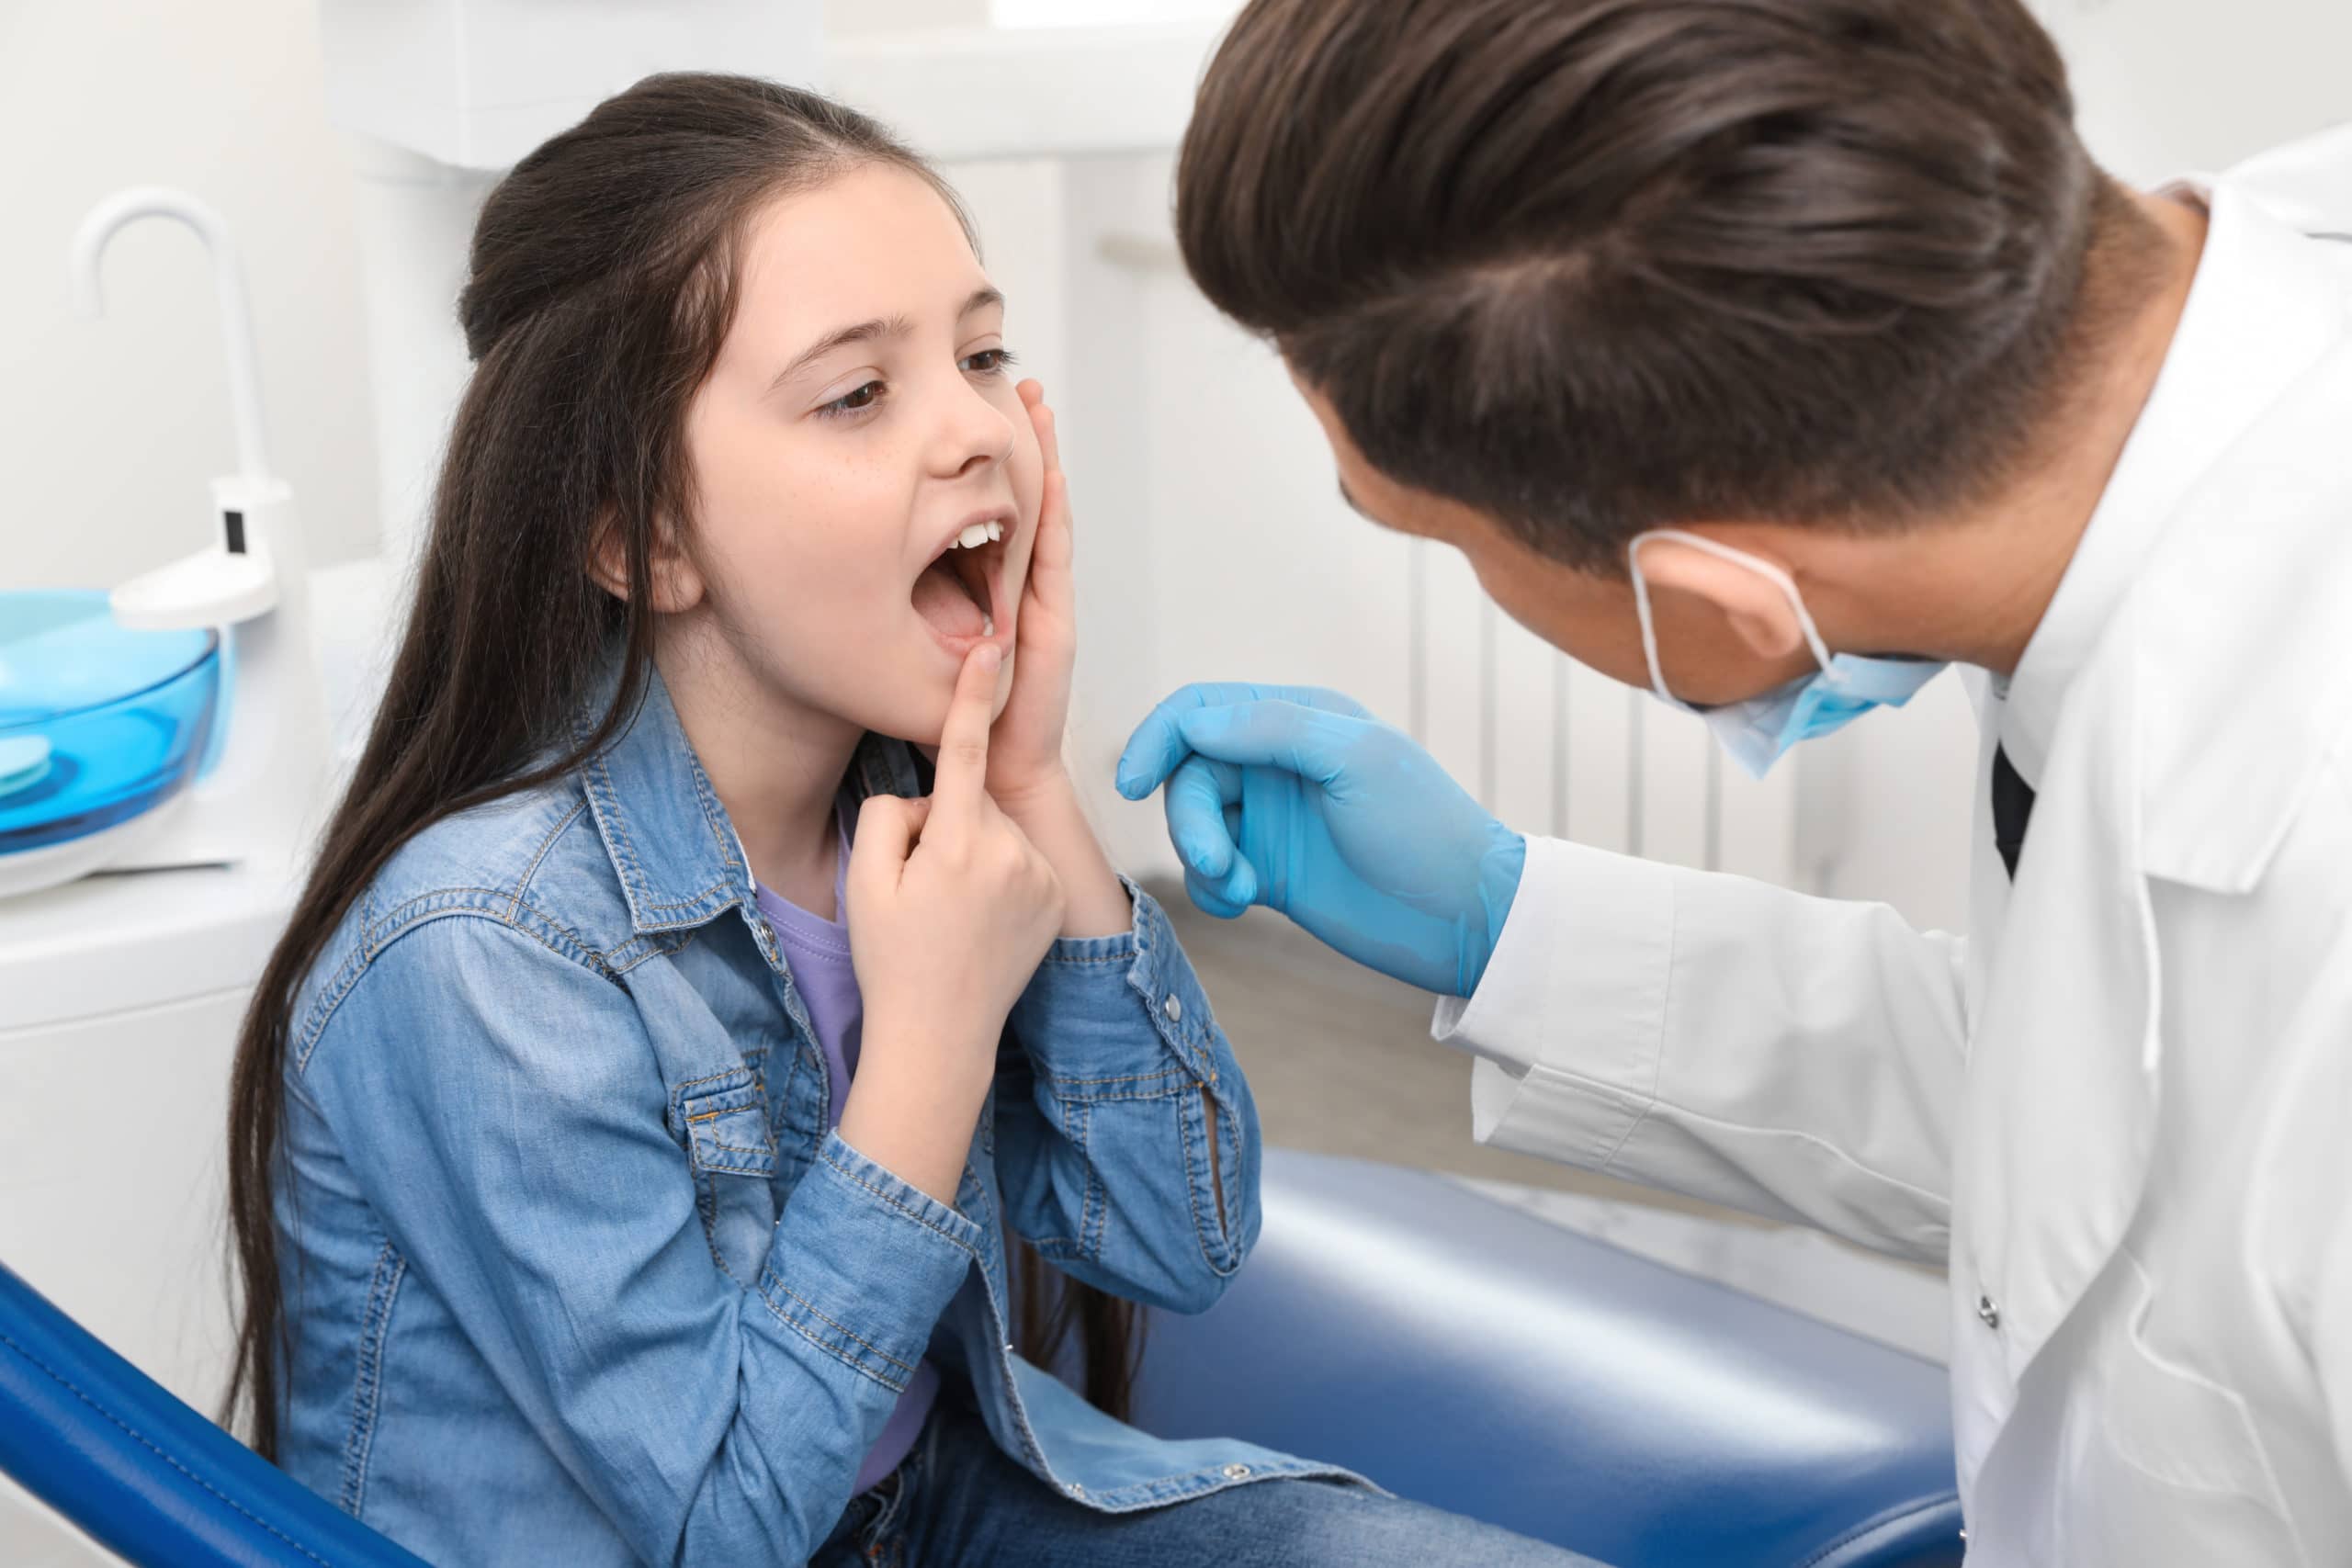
(732, 1152)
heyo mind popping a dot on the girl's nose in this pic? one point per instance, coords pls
(975, 432)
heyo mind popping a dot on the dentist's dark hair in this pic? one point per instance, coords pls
(1594, 267)
(602, 282)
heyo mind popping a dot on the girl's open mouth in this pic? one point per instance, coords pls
(957, 592)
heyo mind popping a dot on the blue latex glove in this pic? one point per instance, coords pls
(1298, 799)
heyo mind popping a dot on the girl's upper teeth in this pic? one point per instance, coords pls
(978, 534)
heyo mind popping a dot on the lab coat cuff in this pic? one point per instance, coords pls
(1569, 1020)
(872, 1262)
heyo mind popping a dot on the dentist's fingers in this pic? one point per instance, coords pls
(1158, 744)
(959, 791)
(1203, 806)
(1195, 800)
(1211, 901)
(1311, 742)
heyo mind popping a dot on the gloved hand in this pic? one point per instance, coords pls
(1298, 799)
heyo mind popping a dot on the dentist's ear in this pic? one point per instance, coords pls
(1758, 613)
(676, 581)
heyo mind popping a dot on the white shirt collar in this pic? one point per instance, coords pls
(2234, 351)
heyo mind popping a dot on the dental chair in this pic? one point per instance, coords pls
(1463, 1353)
(1453, 1349)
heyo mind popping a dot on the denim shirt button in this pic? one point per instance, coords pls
(1237, 1472)
(1076, 1490)
(1173, 1009)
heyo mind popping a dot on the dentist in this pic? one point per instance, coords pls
(1773, 354)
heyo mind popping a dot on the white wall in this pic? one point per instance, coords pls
(110, 429)
(2162, 87)
(1096, 13)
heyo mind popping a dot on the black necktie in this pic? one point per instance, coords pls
(2012, 809)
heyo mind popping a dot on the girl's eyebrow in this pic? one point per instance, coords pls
(873, 331)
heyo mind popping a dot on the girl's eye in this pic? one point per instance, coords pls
(865, 397)
(988, 361)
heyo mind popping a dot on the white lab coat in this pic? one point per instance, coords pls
(2120, 1112)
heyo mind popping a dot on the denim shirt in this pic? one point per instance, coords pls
(574, 1271)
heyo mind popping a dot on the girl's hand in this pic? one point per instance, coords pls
(1025, 752)
(951, 909)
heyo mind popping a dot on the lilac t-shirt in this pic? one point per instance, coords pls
(818, 952)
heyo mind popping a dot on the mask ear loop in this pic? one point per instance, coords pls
(1649, 627)
(1700, 542)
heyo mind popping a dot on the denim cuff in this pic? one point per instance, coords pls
(1096, 1000)
(872, 1261)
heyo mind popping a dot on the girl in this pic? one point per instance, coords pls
(630, 1120)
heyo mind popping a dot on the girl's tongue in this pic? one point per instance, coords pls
(953, 593)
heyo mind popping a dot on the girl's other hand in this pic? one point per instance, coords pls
(951, 909)
(1025, 752)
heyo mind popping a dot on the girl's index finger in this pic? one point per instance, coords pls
(960, 781)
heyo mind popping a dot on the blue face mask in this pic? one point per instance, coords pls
(1756, 731)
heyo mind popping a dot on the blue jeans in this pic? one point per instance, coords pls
(957, 1500)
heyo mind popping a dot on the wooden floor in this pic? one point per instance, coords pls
(1341, 1060)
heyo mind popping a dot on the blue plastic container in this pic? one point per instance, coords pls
(98, 723)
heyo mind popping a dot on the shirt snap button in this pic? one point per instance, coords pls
(1076, 1490)
(1988, 1311)
(1173, 1009)
(1235, 1471)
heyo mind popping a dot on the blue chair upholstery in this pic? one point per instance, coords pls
(1468, 1355)
(1452, 1350)
(147, 1477)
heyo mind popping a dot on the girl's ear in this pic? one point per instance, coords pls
(676, 583)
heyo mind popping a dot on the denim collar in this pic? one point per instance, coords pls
(677, 855)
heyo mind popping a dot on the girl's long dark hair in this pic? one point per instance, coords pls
(601, 284)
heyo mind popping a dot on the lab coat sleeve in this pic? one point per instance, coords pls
(2298, 1221)
(1793, 1056)
(502, 1109)
(2323, 1315)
